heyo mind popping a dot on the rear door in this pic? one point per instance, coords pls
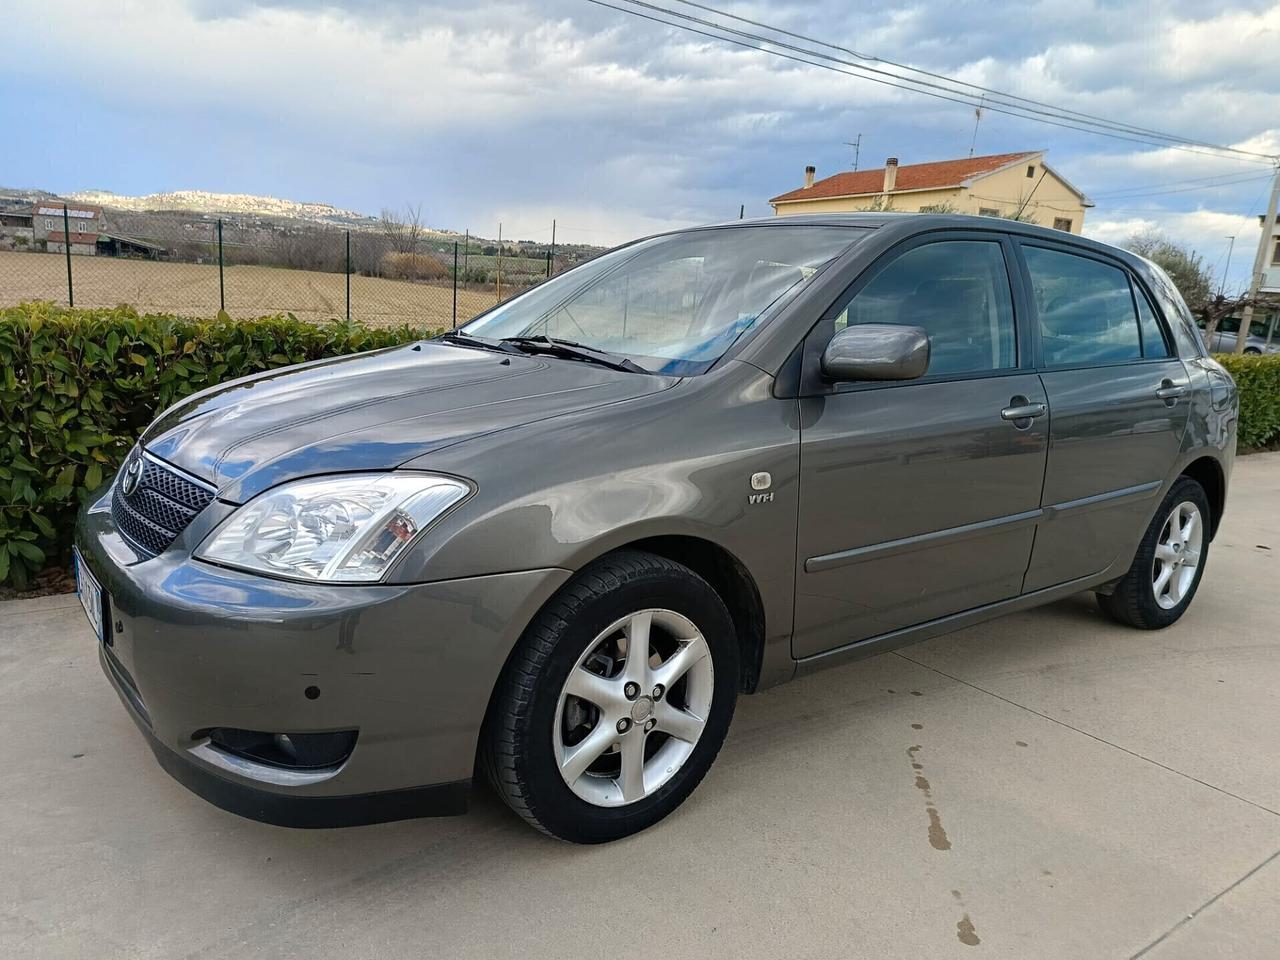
(1117, 409)
(919, 498)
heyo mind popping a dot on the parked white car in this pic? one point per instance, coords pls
(1224, 338)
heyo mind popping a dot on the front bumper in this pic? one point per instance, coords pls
(192, 647)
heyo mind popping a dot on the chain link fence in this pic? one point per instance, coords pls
(194, 265)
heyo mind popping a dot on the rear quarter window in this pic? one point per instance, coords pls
(1186, 335)
(1153, 342)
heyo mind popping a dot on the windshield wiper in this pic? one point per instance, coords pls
(465, 339)
(554, 346)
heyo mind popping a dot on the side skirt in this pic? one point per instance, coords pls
(948, 624)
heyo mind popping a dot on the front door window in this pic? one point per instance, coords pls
(958, 291)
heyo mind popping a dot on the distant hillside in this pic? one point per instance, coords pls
(158, 215)
(236, 204)
(25, 193)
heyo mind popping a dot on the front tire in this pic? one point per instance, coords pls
(1166, 572)
(590, 743)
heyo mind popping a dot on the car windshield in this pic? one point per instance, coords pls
(672, 304)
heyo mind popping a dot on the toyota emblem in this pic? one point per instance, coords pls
(132, 474)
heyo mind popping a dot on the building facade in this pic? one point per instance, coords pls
(1271, 260)
(83, 222)
(15, 224)
(1001, 185)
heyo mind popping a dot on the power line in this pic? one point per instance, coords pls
(1195, 189)
(1223, 177)
(1009, 98)
(1054, 116)
(860, 76)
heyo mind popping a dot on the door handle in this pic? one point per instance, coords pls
(1170, 391)
(1022, 410)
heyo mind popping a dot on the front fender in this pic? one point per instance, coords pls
(675, 464)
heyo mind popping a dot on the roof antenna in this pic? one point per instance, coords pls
(977, 119)
(857, 149)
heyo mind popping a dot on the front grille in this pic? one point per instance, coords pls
(159, 508)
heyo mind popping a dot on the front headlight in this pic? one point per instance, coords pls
(346, 529)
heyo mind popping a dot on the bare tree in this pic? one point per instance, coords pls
(1217, 309)
(403, 233)
(1184, 266)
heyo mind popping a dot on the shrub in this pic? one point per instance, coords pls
(413, 266)
(1258, 380)
(77, 387)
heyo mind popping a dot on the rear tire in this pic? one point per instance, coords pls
(589, 744)
(1165, 574)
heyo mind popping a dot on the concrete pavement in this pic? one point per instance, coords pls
(1047, 785)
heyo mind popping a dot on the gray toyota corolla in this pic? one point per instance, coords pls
(557, 544)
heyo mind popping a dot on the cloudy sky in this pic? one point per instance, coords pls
(522, 111)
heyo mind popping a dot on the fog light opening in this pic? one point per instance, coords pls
(295, 751)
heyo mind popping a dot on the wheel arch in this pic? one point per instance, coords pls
(731, 579)
(1208, 472)
(726, 574)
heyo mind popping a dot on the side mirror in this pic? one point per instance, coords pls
(877, 351)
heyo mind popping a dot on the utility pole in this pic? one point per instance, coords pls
(1260, 261)
(551, 261)
(977, 119)
(856, 143)
(1222, 287)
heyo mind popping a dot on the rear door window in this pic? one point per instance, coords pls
(1085, 309)
(1153, 343)
(958, 291)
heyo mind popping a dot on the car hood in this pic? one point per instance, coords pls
(372, 411)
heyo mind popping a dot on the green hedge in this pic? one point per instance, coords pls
(77, 387)
(1258, 380)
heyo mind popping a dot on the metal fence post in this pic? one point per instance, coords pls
(66, 245)
(455, 284)
(348, 275)
(222, 290)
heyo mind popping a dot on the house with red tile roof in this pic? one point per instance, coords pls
(50, 226)
(1000, 185)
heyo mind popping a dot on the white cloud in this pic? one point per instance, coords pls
(1205, 231)
(524, 111)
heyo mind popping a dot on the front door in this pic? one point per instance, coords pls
(919, 499)
(1117, 405)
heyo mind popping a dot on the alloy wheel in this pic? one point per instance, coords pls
(1177, 555)
(633, 707)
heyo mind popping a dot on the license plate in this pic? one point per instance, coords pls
(90, 592)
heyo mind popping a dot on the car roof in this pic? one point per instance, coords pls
(926, 222)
